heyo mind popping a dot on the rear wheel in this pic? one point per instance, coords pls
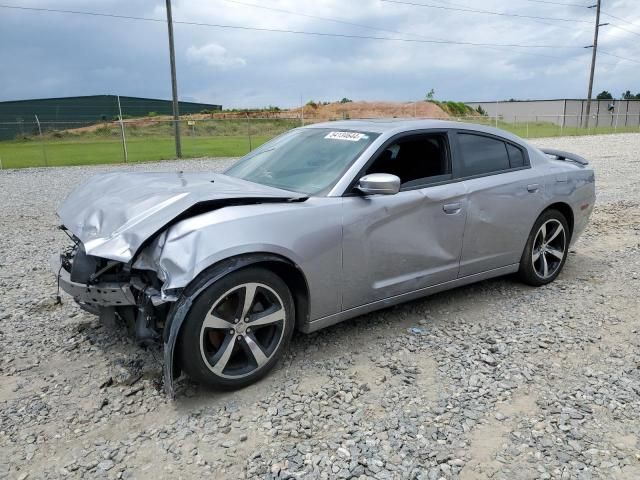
(237, 329)
(546, 249)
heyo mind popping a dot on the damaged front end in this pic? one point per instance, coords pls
(108, 288)
(118, 223)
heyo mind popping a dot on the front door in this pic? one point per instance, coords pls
(400, 243)
(395, 244)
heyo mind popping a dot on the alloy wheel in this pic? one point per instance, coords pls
(242, 330)
(549, 248)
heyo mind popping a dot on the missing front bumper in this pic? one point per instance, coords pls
(91, 297)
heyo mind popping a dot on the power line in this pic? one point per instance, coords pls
(579, 5)
(451, 4)
(485, 12)
(369, 27)
(296, 32)
(424, 39)
(623, 29)
(619, 18)
(618, 56)
(328, 19)
(503, 14)
(77, 12)
(602, 12)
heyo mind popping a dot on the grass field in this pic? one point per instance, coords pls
(19, 154)
(547, 129)
(208, 139)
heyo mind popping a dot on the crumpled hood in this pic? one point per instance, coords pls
(115, 213)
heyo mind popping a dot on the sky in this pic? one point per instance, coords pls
(48, 54)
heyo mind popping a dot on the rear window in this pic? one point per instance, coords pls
(482, 154)
(516, 156)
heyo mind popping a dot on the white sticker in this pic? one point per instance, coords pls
(348, 136)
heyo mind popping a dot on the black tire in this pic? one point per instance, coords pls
(532, 271)
(202, 349)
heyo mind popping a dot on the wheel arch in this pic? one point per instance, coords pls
(282, 266)
(566, 210)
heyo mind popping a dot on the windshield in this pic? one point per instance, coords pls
(306, 160)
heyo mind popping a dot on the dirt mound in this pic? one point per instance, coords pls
(312, 112)
(340, 111)
(335, 111)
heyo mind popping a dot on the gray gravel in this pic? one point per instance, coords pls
(494, 380)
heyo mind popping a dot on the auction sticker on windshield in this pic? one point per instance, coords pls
(348, 136)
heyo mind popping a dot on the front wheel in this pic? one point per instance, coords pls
(237, 329)
(546, 249)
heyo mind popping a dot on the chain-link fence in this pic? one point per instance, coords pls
(538, 126)
(40, 144)
(134, 140)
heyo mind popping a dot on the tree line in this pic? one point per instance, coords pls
(605, 95)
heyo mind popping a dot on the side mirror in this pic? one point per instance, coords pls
(379, 183)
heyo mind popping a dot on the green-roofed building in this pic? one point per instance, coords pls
(18, 118)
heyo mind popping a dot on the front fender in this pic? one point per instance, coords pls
(309, 234)
(181, 269)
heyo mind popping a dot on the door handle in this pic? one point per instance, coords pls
(451, 208)
(533, 187)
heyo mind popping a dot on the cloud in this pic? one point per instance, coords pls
(109, 71)
(213, 55)
(92, 55)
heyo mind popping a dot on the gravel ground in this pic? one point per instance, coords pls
(494, 380)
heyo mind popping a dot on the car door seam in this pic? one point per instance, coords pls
(465, 202)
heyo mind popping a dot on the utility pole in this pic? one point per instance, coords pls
(174, 82)
(593, 61)
(44, 148)
(124, 138)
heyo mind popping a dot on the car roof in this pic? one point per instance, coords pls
(391, 126)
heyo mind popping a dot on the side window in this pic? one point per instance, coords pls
(516, 157)
(416, 160)
(482, 154)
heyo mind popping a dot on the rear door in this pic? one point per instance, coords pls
(503, 201)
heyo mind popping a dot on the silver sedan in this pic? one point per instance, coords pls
(321, 224)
